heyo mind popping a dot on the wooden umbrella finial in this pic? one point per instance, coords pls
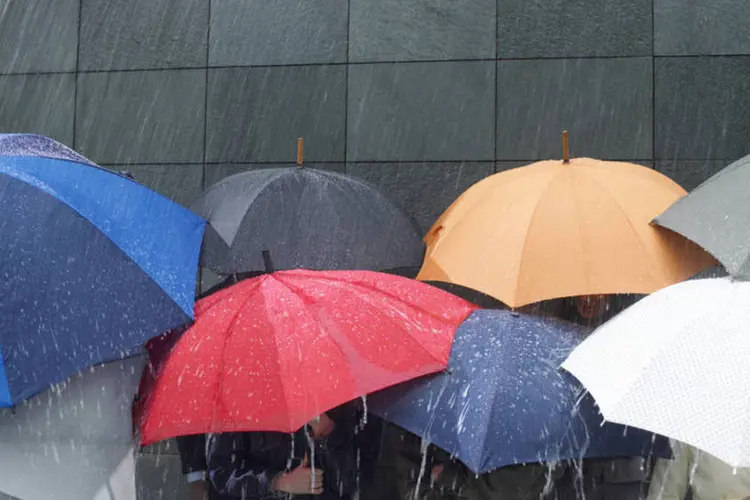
(300, 151)
(566, 151)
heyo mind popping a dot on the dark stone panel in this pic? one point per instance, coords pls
(257, 114)
(39, 104)
(421, 111)
(423, 190)
(605, 104)
(580, 28)
(413, 30)
(143, 34)
(702, 110)
(141, 116)
(701, 27)
(38, 35)
(265, 32)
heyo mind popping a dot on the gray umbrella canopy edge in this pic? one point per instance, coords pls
(716, 216)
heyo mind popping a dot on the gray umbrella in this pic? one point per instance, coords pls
(306, 218)
(716, 216)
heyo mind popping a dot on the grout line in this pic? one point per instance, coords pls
(200, 271)
(346, 83)
(205, 101)
(359, 63)
(496, 92)
(653, 82)
(75, 83)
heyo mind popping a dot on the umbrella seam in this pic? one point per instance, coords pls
(528, 230)
(303, 298)
(627, 218)
(220, 379)
(290, 424)
(53, 193)
(391, 295)
(195, 206)
(307, 306)
(471, 306)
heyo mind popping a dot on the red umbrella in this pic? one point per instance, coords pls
(272, 352)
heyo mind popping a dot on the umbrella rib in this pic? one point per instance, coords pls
(396, 297)
(390, 294)
(307, 306)
(624, 212)
(220, 380)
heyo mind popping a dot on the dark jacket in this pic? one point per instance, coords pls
(192, 451)
(605, 479)
(242, 465)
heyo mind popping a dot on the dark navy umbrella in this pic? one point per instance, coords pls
(92, 264)
(504, 401)
(306, 218)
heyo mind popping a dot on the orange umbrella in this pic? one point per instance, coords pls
(560, 229)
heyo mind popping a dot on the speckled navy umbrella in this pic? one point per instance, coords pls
(716, 216)
(306, 218)
(504, 401)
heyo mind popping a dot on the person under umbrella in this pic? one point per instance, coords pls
(501, 406)
(318, 460)
(192, 448)
(260, 340)
(605, 478)
(676, 363)
(698, 474)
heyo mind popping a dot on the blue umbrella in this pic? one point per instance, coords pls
(503, 400)
(92, 264)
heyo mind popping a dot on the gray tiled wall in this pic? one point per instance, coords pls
(420, 97)
(428, 92)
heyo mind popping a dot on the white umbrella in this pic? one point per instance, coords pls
(74, 441)
(677, 363)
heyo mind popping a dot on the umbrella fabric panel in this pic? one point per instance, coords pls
(675, 363)
(307, 219)
(716, 215)
(551, 230)
(147, 227)
(272, 352)
(39, 146)
(503, 400)
(69, 297)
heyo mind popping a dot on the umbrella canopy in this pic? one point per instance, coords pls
(503, 401)
(554, 229)
(307, 218)
(716, 216)
(92, 265)
(675, 363)
(273, 352)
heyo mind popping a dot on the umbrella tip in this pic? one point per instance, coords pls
(566, 151)
(300, 151)
(268, 262)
